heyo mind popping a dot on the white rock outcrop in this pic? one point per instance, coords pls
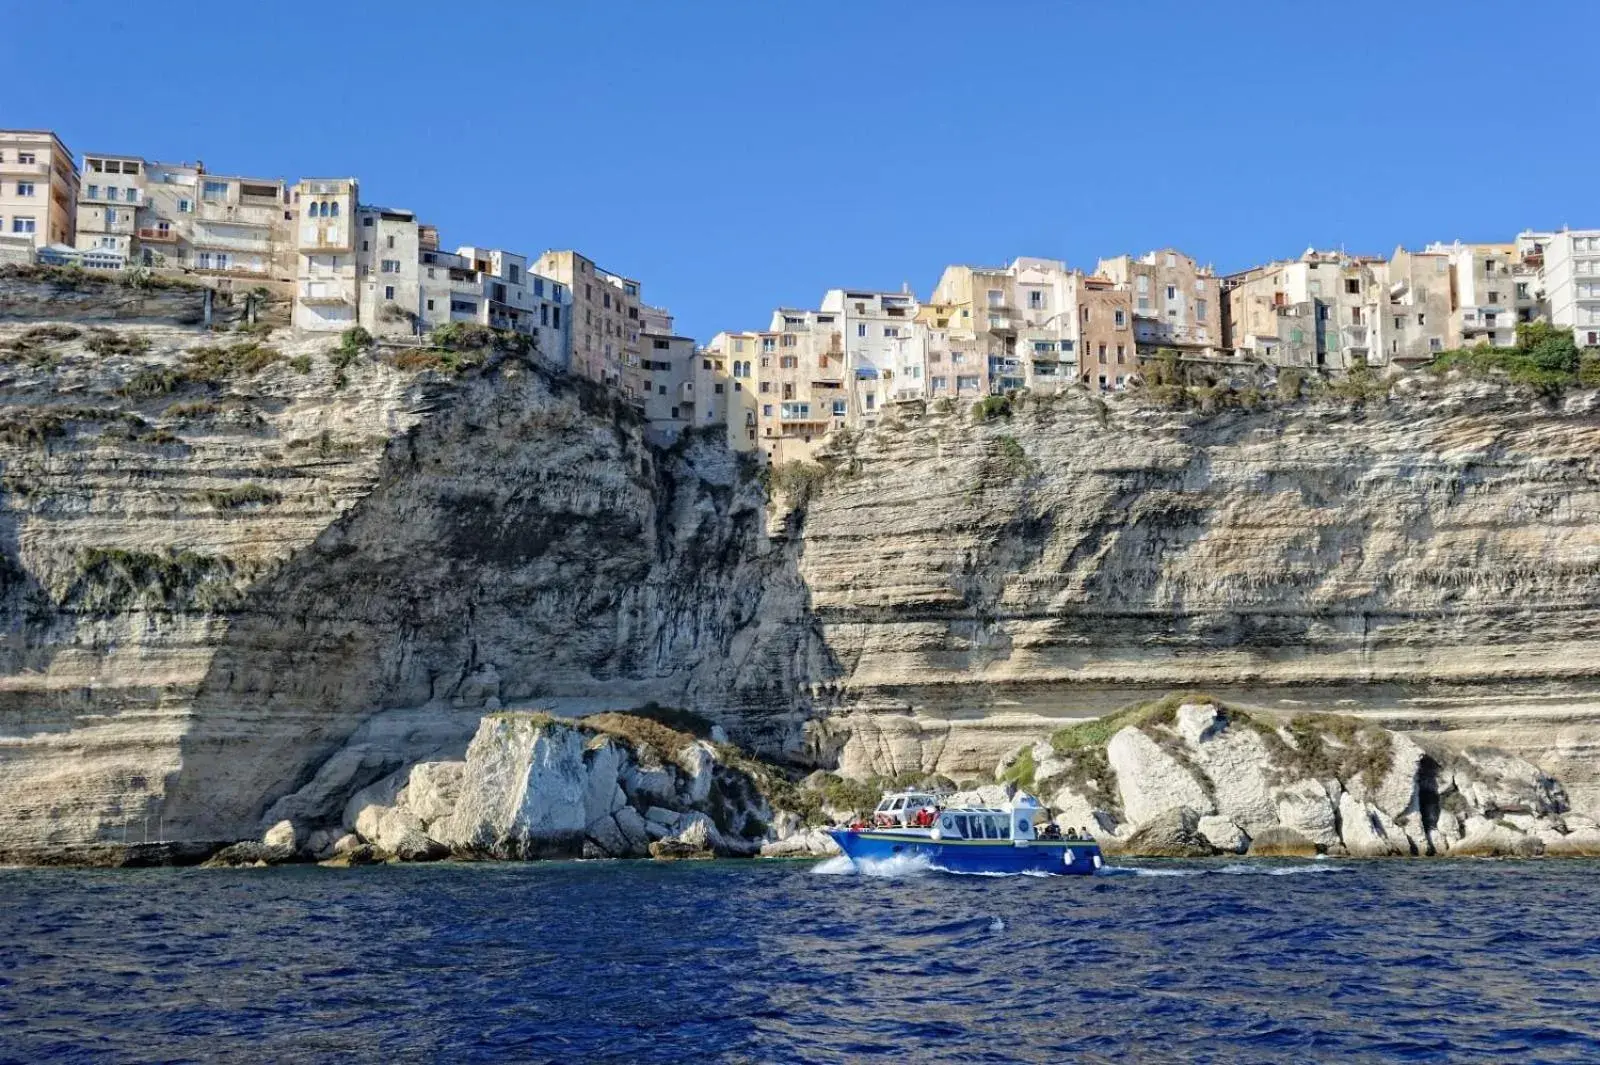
(1150, 781)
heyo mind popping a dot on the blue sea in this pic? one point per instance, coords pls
(797, 961)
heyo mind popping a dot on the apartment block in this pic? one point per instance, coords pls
(38, 191)
(327, 277)
(1569, 271)
(1177, 303)
(605, 316)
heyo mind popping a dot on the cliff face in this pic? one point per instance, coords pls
(237, 581)
(1431, 560)
(210, 586)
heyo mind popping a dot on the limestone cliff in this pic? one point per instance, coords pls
(244, 579)
(1431, 560)
(223, 557)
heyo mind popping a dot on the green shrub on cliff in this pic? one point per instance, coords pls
(1021, 772)
(795, 481)
(213, 364)
(108, 580)
(1545, 358)
(243, 495)
(109, 342)
(990, 407)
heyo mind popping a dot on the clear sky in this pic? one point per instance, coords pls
(739, 155)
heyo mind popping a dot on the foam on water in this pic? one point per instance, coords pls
(900, 865)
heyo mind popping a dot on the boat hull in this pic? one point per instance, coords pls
(1060, 857)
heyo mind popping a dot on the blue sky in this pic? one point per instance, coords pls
(735, 156)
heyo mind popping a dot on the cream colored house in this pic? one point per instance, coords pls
(605, 317)
(1314, 312)
(38, 189)
(111, 197)
(388, 262)
(1490, 292)
(495, 288)
(1410, 308)
(734, 355)
(871, 326)
(668, 389)
(327, 277)
(1177, 303)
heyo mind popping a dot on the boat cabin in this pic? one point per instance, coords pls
(901, 808)
(985, 823)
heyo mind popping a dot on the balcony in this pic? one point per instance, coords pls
(255, 245)
(318, 294)
(998, 323)
(686, 392)
(11, 168)
(261, 217)
(157, 235)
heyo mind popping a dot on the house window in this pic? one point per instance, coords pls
(24, 157)
(1120, 358)
(767, 344)
(1036, 299)
(766, 408)
(185, 207)
(22, 225)
(1352, 286)
(24, 188)
(1172, 293)
(1200, 310)
(430, 305)
(94, 193)
(861, 329)
(1102, 353)
(214, 190)
(718, 389)
(367, 224)
(388, 292)
(1494, 297)
(390, 266)
(891, 330)
(1121, 318)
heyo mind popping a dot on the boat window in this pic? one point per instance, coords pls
(948, 822)
(961, 826)
(1002, 825)
(897, 804)
(992, 829)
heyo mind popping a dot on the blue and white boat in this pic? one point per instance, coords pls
(960, 838)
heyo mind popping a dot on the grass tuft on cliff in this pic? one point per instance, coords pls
(637, 729)
(244, 495)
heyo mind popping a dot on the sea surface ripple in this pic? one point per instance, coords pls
(778, 962)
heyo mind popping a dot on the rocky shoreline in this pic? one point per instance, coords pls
(1183, 777)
